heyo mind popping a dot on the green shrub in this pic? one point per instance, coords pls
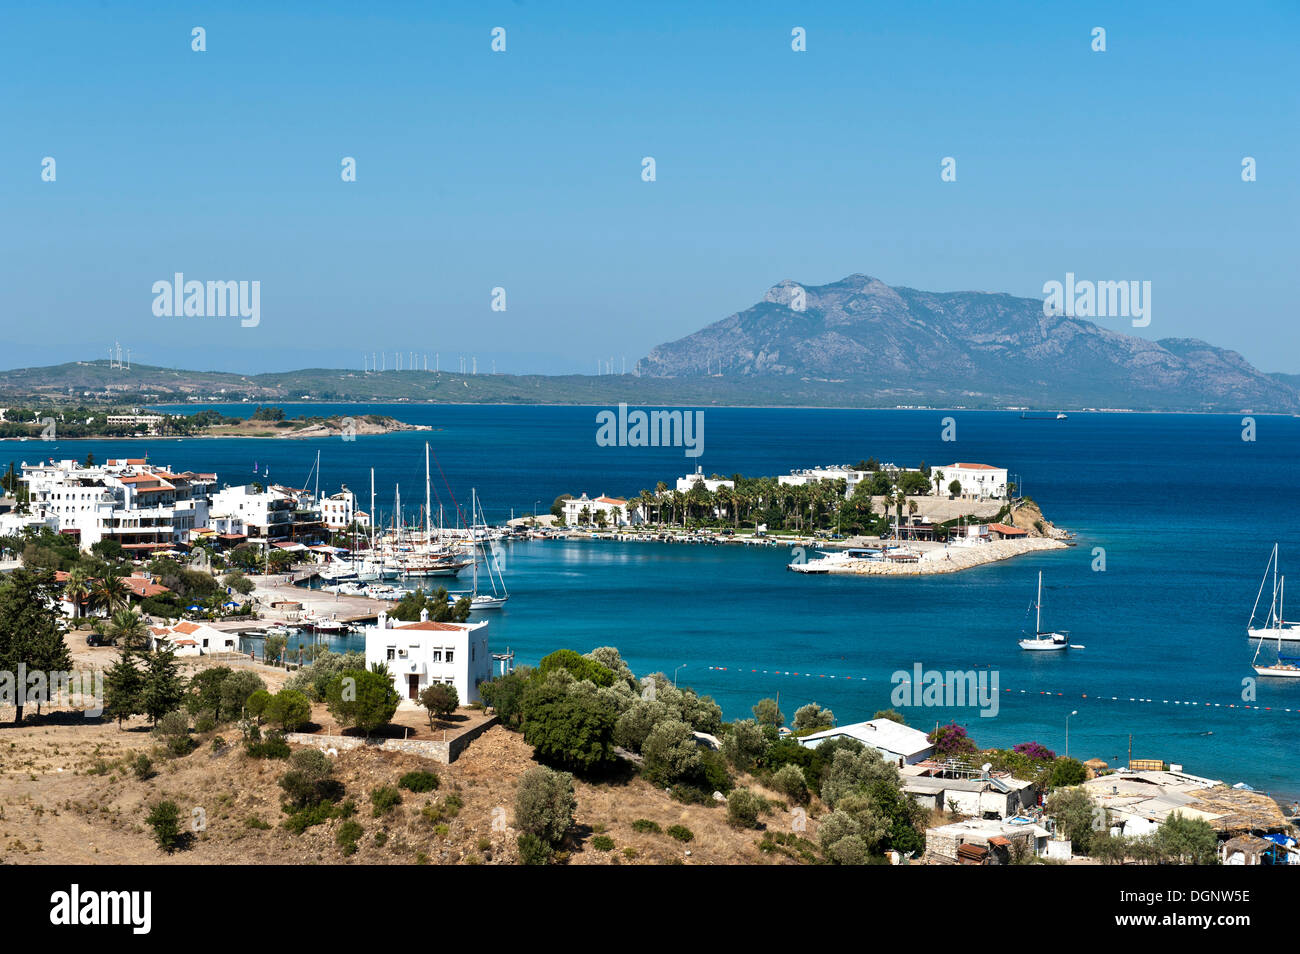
(252, 821)
(646, 826)
(602, 843)
(533, 850)
(745, 744)
(165, 820)
(743, 807)
(204, 722)
(309, 781)
(419, 781)
(174, 731)
(789, 781)
(544, 803)
(288, 709)
(271, 746)
(317, 814)
(235, 690)
(384, 799)
(681, 833)
(143, 768)
(347, 835)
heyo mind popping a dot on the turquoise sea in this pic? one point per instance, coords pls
(1185, 509)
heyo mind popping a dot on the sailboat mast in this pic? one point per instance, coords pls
(1038, 606)
(1281, 598)
(372, 511)
(428, 503)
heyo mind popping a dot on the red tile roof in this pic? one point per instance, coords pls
(430, 624)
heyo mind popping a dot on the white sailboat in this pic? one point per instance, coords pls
(1042, 641)
(1286, 666)
(484, 601)
(1274, 626)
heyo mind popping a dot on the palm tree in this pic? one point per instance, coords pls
(128, 630)
(647, 501)
(109, 593)
(77, 589)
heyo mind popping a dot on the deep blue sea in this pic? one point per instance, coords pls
(1186, 511)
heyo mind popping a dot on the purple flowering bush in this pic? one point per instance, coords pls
(1035, 751)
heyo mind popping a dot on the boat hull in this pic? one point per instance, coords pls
(1044, 645)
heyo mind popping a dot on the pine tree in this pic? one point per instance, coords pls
(124, 687)
(31, 628)
(164, 687)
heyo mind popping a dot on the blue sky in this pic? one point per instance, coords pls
(523, 169)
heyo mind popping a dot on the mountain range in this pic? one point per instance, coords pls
(968, 348)
(856, 342)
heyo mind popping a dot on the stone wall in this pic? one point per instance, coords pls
(444, 752)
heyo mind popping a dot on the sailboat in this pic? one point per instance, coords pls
(1041, 640)
(1275, 628)
(484, 601)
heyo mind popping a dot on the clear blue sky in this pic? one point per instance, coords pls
(523, 169)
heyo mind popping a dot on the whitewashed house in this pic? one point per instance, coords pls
(895, 742)
(421, 654)
(582, 511)
(193, 639)
(980, 481)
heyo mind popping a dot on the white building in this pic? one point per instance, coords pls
(980, 481)
(895, 742)
(138, 423)
(850, 475)
(193, 639)
(421, 654)
(339, 510)
(581, 511)
(276, 514)
(141, 506)
(711, 484)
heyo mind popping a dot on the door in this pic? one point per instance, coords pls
(413, 686)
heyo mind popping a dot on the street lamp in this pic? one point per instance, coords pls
(1067, 732)
(675, 672)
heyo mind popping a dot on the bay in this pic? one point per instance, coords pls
(1184, 508)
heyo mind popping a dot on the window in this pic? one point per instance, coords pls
(449, 655)
(435, 655)
(392, 652)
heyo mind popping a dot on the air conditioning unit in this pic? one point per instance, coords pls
(401, 652)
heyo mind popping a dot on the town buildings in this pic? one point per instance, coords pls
(141, 506)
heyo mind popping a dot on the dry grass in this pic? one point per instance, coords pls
(68, 796)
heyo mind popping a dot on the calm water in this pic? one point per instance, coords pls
(1186, 511)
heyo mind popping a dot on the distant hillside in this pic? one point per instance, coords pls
(970, 348)
(857, 343)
